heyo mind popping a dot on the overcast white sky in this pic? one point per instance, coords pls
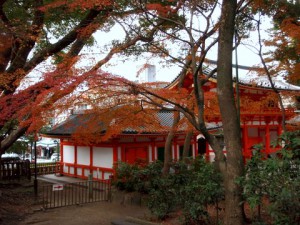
(129, 67)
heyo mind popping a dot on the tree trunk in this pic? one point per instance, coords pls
(168, 145)
(187, 146)
(231, 124)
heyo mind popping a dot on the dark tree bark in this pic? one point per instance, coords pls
(186, 146)
(168, 145)
(229, 114)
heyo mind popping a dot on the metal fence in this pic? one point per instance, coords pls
(59, 195)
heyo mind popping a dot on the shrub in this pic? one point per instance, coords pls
(203, 188)
(125, 179)
(189, 188)
(277, 178)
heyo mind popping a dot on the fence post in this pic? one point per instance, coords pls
(90, 185)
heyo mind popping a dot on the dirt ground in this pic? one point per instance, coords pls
(19, 207)
(100, 213)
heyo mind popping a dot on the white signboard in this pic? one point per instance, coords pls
(58, 187)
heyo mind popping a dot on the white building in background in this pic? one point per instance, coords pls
(148, 73)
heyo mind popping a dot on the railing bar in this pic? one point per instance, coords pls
(82, 195)
(72, 197)
(50, 198)
(54, 198)
(66, 195)
(59, 197)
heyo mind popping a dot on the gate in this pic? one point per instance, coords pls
(59, 195)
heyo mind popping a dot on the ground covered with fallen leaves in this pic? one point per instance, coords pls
(16, 201)
(19, 206)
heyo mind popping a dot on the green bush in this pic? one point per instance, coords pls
(188, 187)
(203, 188)
(136, 177)
(278, 179)
(163, 197)
(125, 179)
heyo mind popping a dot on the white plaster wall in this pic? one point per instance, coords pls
(83, 155)
(79, 172)
(106, 175)
(86, 172)
(97, 174)
(65, 168)
(69, 154)
(103, 157)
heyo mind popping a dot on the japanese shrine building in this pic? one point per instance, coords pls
(259, 124)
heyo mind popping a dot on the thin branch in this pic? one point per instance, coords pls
(270, 78)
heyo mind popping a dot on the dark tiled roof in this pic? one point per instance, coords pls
(74, 123)
(78, 121)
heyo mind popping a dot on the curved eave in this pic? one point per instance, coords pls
(56, 135)
(256, 86)
(207, 70)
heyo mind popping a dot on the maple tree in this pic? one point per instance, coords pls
(37, 32)
(284, 39)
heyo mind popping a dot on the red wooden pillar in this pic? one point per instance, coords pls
(91, 160)
(75, 162)
(115, 156)
(268, 142)
(246, 150)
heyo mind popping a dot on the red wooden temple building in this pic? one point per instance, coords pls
(260, 123)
